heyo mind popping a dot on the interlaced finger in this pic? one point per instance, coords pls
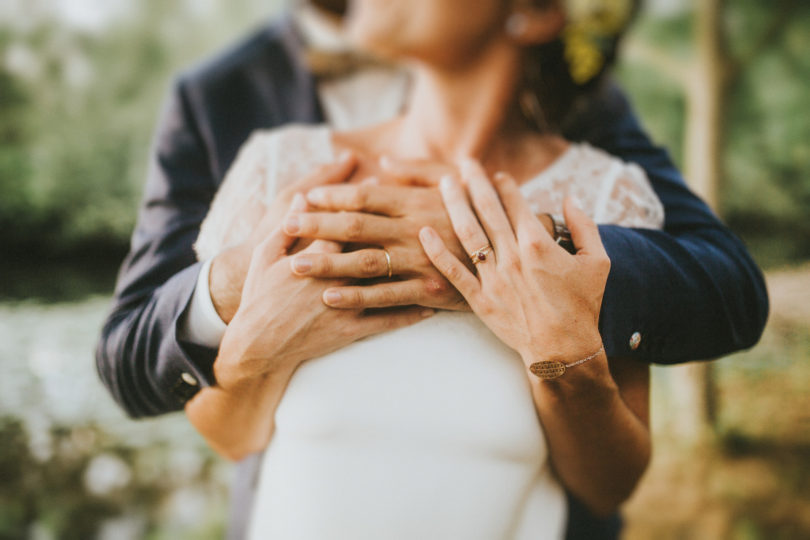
(323, 246)
(450, 267)
(465, 223)
(345, 227)
(525, 224)
(379, 295)
(363, 263)
(376, 199)
(488, 207)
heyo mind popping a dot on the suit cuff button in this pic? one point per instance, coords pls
(635, 341)
(186, 387)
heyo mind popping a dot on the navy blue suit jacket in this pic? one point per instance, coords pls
(691, 290)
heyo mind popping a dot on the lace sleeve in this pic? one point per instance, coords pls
(266, 163)
(240, 201)
(630, 200)
(609, 190)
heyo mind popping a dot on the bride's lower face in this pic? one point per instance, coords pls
(435, 31)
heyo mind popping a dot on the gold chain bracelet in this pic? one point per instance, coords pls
(552, 369)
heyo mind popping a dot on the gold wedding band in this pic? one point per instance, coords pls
(388, 262)
(480, 254)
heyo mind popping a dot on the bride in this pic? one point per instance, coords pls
(462, 424)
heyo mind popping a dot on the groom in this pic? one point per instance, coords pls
(688, 292)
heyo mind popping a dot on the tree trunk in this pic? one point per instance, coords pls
(693, 384)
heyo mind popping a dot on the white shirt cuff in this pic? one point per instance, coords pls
(202, 324)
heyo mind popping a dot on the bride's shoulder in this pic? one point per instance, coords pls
(626, 195)
(280, 154)
(291, 136)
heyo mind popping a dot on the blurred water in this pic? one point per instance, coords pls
(156, 476)
(47, 358)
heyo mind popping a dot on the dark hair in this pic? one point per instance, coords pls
(549, 74)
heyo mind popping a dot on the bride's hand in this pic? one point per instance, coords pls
(281, 320)
(229, 268)
(536, 297)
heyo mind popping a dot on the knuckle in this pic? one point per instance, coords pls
(437, 287)
(360, 197)
(355, 298)
(308, 224)
(323, 264)
(536, 245)
(369, 264)
(388, 296)
(452, 272)
(512, 263)
(466, 230)
(485, 308)
(354, 228)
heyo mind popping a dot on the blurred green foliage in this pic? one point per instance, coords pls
(77, 109)
(765, 190)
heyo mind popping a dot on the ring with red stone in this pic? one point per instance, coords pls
(480, 254)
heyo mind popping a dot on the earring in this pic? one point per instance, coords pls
(516, 25)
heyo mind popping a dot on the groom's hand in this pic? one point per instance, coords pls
(388, 216)
(229, 268)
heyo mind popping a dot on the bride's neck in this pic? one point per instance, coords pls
(463, 112)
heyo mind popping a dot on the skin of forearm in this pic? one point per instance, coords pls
(238, 421)
(598, 446)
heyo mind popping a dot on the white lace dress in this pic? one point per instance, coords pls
(426, 432)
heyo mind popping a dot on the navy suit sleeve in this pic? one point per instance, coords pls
(139, 357)
(691, 290)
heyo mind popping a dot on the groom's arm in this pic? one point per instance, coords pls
(690, 291)
(140, 358)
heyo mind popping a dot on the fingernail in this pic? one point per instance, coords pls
(385, 162)
(426, 234)
(302, 265)
(516, 24)
(576, 202)
(427, 313)
(299, 204)
(292, 224)
(371, 181)
(345, 156)
(331, 297)
(316, 196)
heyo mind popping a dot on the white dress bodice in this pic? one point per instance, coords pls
(423, 432)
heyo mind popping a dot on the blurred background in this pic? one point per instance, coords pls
(725, 85)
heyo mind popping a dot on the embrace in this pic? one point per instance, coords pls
(420, 301)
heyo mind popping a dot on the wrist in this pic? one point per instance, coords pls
(573, 363)
(226, 279)
(251, 353)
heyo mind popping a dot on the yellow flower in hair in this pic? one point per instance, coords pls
(584, 59)
(593, 26)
